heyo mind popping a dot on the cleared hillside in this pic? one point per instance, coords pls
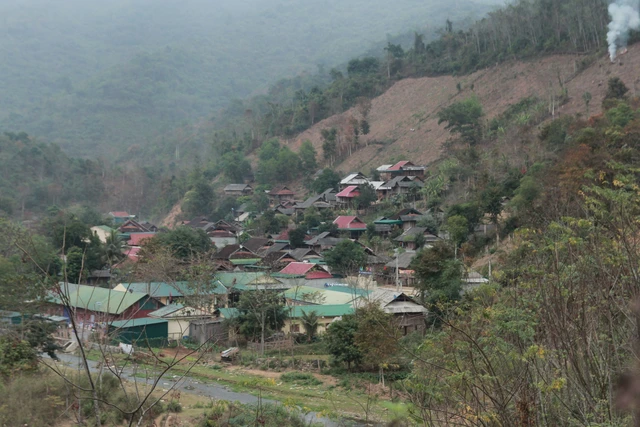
(404, 123)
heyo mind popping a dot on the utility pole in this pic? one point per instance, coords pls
(397, 271)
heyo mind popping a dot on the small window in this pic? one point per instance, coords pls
(295, 328)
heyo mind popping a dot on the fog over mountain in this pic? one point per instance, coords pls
(95, 77)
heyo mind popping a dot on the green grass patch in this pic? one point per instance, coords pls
(300, 378)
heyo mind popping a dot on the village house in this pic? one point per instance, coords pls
(402, 168)
(102, 232)
(354, 179)
(409, 217)
(400, 185)
(119, 217)
(210, 295)
(139, 239)
(281, 194)
(307, 270)
(179, 318)
(147, 330)
(327, 313)
(132, 226)
(347, 196)
(400, 264)
(416, 236)
(350, 223)
(238, 190)
(93, 304)
(408, 314)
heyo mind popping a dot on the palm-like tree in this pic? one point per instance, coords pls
(113, 248)
(310, 323)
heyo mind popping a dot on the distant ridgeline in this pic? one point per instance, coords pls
(522, 30)
(102, 78)
(36, 175)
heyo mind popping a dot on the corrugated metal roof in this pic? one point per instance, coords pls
(164, 290)
(132, 323)
(97, 299)
(245, 261)
(237, 279)
(315, 295)
(350, 191)
(229, 313)
(324, 310)
(349, 222)
(297, 268)
(166, 310)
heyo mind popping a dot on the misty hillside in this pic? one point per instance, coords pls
(96, 77)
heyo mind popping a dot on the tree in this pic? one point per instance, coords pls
(586, 97)
(463, 118)
(235, 166)
(310, 322)
(346, 258)
(439, 274)
(329, 144)
(296, 237)
(262, 312)
(340, 340)
(377, 336)
(458, 228)
(327, 179)
(199, 200)
(616, 89)
(366, 197)
(184, 242)
(308, 157)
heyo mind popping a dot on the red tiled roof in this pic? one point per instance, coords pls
(320, 274)
(137, 239)
(282, 236)
(350, 191)
(297, 268)
(221, 234)
(400, 165)
(132, 253)
(282, 192)
(346, 222)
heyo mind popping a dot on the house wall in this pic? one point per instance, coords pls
(215, 331)
(178, 328)
(91, 316)
(290, 325)
(100, 233)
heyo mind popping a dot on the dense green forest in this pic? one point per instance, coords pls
(97, 78)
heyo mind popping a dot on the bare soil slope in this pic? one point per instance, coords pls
(404, 123)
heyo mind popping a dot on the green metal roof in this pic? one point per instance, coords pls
(176, 289)
(9, 314)
(323, 295)
(167, 309)
(239, 279)
(350, 290)
(229, 313)
(97, 299)
(132, 323)
(326, 310)
(245, 261)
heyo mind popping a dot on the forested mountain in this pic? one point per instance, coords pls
(96, 77)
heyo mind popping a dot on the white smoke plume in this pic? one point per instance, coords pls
(624, 17)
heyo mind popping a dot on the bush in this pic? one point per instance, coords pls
(300, 378)
(174, 406)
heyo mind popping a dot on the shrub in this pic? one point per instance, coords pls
(174, 406)
(300, 378)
